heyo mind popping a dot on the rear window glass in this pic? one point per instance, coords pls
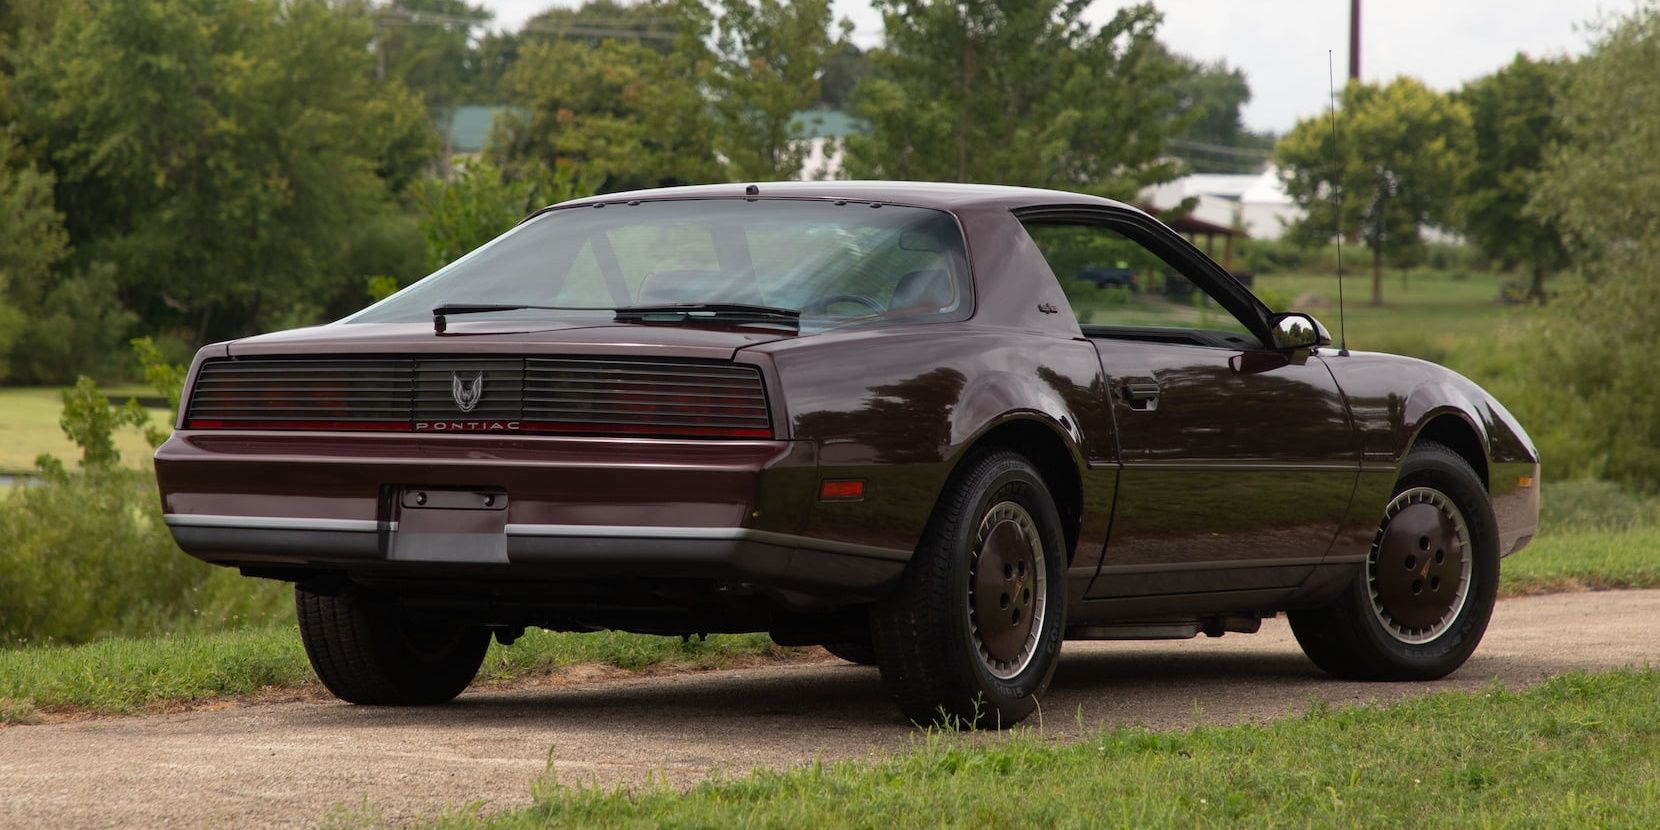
(834, 263)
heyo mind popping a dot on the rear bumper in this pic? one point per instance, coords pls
(575, 509)
(549, 553)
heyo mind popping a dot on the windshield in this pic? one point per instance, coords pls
(832, 262)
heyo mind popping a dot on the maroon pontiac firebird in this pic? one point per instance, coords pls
(887, 418)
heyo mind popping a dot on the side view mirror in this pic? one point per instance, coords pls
(1296, 330)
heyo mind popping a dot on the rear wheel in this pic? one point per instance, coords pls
(972, 635)
(366, 651)
(1420, 605)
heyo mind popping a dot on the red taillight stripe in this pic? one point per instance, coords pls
(646, 429)
(342, 426)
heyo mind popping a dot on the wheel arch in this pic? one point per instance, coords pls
(1456, 431)
(1056, 458)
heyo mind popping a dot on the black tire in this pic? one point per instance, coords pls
(1357, 637)
(928, 633)
(367, 652)
(863, 654)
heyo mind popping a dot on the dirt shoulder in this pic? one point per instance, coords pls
(287, 764)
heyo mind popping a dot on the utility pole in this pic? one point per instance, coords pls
(1354, 40)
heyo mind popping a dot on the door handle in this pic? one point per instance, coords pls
(1142, 396)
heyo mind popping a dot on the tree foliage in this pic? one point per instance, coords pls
(1212, 97)
(480, 203)
(622, 110)
(1021, 93)
(1591, 389)
(1401, 156)
(226, 156)
(768, 58)
(1513, 112)
(429, 45)
(32, 239)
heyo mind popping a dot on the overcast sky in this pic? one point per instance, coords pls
(1282, 44)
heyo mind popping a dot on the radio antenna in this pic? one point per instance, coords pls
(1337, 196)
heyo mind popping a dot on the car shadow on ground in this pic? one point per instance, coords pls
(1095, 686)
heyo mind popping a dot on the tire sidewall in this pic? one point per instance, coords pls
(1454, 479)
(1010, 478)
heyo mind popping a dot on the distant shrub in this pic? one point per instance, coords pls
(90, 420)
(1594, 504)
(1274, 256)
(85, 556)
(75, 329)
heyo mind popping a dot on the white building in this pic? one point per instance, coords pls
(1254, 202)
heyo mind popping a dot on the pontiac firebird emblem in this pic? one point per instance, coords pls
(466, 392)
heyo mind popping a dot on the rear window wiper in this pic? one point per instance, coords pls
(443, 311)
(713, 312)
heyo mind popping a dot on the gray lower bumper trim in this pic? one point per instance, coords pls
(543, 531)
(275, 523)
(730, 534)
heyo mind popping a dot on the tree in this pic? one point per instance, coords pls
(224, 162)
(621, 110)
(844, 68)
(1211, 96)
(1402, 154)
(479, 204)
(32, 239)
(1514, 115)
(1592, 399)
(432, 47)
(653, 24)
(1011, 92)
(769, 55)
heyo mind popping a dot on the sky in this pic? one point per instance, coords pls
(1282, 44)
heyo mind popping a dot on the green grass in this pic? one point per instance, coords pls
(1576, 751)
(1442, 317)
(29, 427)
(131, 675)
(1580, 559)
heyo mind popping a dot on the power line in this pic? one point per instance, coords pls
(594, 27)
(1252, 153)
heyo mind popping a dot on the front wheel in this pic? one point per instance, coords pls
(1419, 606)
(972, 635)
(366, 651)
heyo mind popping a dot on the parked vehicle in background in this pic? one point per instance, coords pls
(862, 415)
(1119, 276)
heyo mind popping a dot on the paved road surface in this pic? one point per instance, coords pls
(287, 764)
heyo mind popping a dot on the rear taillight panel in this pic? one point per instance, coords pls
(549, 395)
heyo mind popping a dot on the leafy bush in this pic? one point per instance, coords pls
(1593, 504)
(76, 328)
(1592, 401)
(482, 202)
(90, 421)
(1275, 256)
(87, 556)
